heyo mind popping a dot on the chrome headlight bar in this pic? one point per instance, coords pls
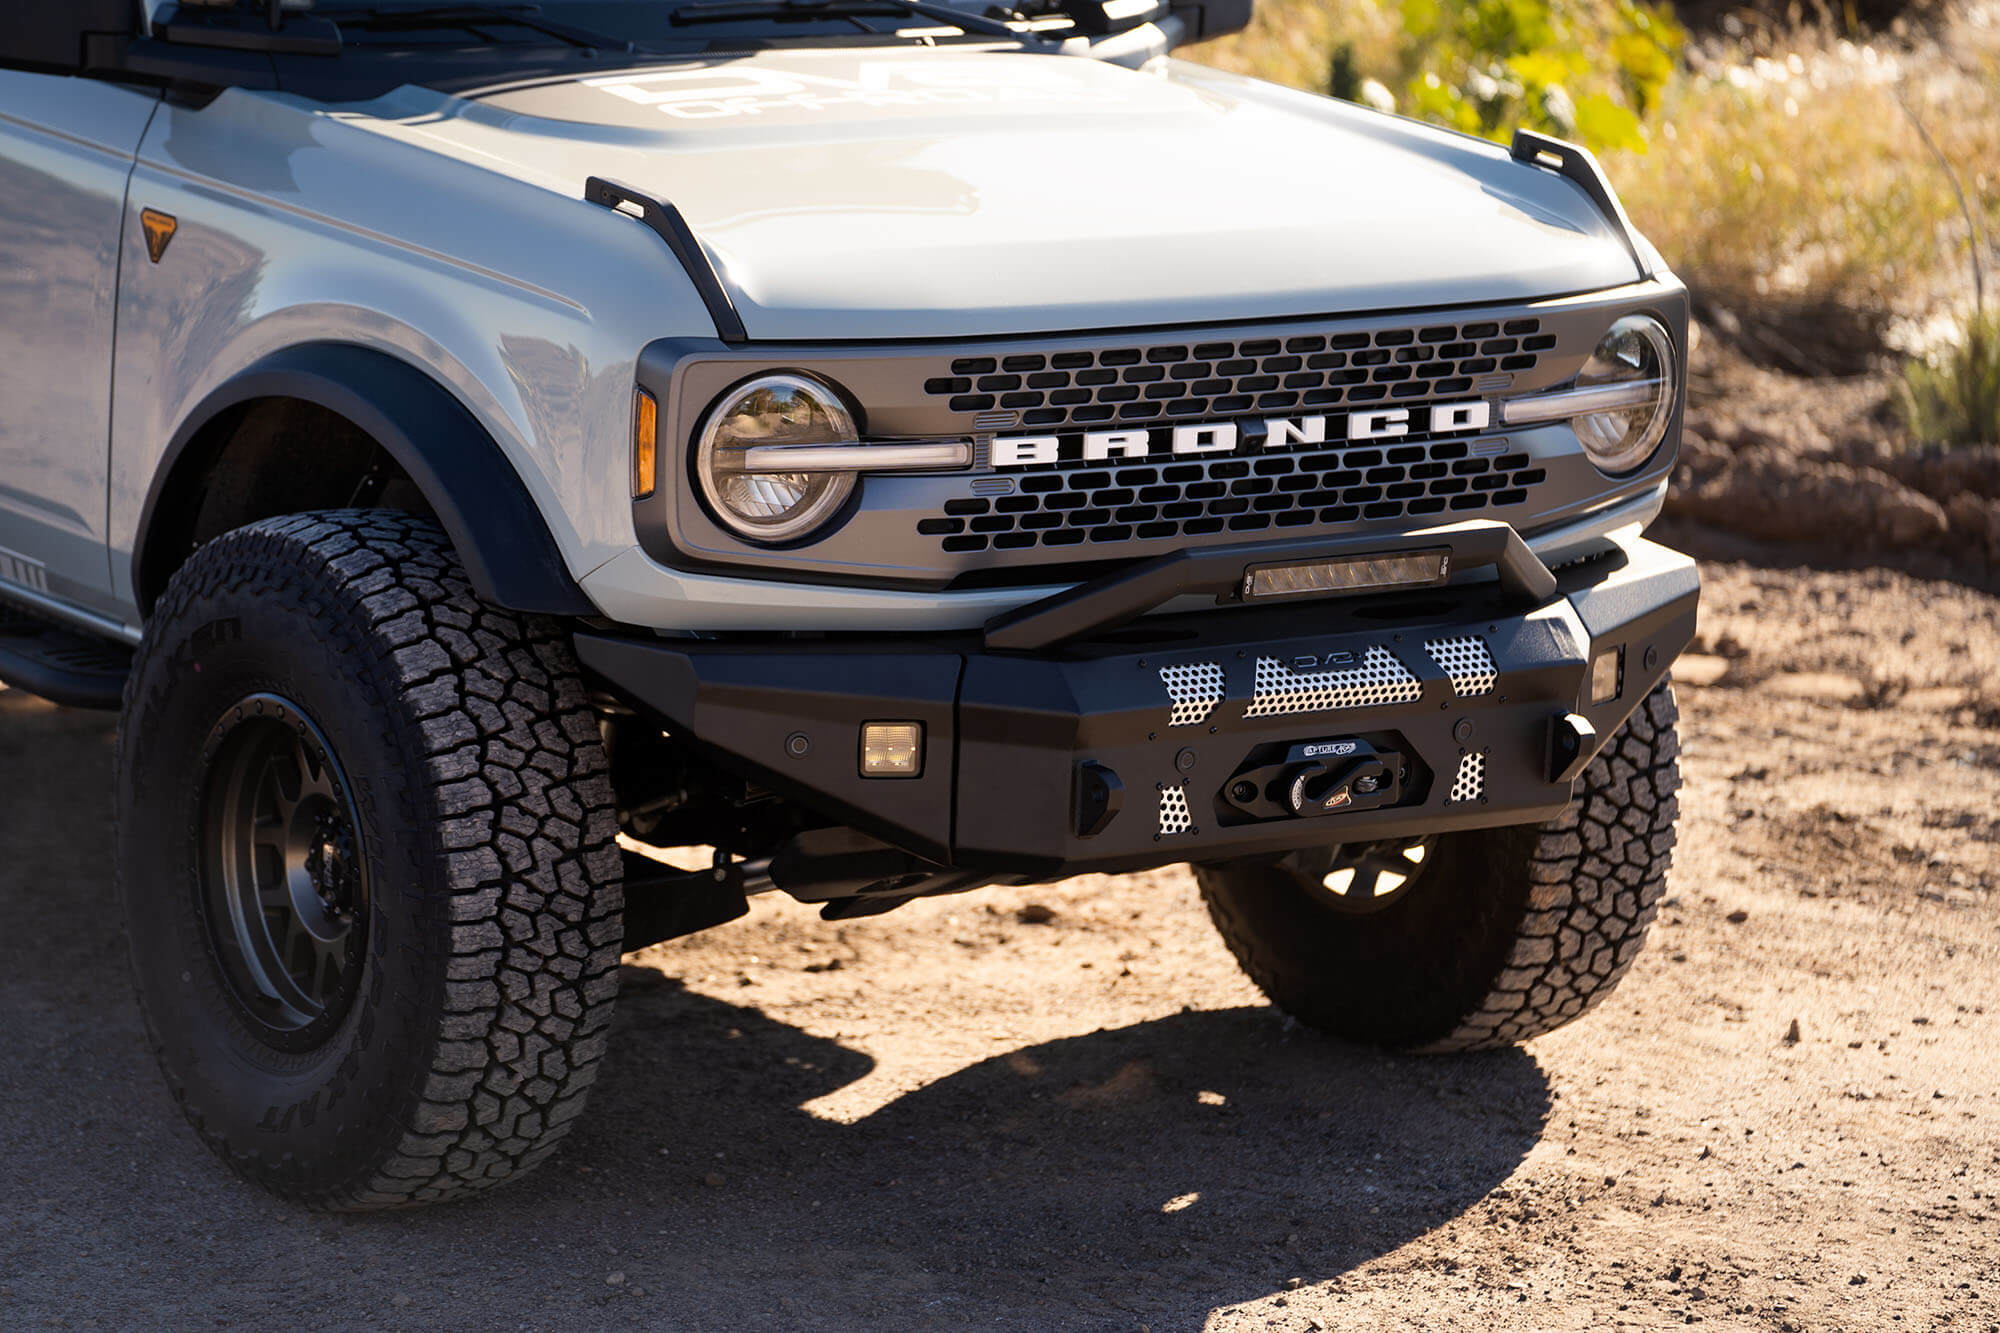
(1622, 399)
(855, 456)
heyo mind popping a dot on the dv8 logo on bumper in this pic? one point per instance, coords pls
(1329, 681)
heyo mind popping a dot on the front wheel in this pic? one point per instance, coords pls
(367, 851)
(1467, 940)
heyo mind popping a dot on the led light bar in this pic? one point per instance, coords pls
(1353, 573)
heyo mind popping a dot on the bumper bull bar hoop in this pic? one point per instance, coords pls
(1128, 593)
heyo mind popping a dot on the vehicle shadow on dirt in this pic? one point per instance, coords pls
(1147, 1173)
(1137, 1175)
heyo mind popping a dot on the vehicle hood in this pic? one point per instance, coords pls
(922, 192)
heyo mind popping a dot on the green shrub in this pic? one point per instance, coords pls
(1584, 70)
(1952, 397)
(1591, 70)
(1782, 177)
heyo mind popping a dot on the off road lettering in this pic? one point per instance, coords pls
(745, 90)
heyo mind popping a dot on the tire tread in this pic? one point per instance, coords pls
(515, 782)
(1595, 876)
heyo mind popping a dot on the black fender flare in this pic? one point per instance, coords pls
(467, 480)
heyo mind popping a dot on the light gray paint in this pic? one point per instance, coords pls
(857, 194)
(898, 193)
(299, 224)
(66, 148)
(636, 591)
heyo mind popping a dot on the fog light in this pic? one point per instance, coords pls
(1607, 675)
(892, 750)
(1361, 573)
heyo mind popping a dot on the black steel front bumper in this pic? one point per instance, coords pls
(1179, 737)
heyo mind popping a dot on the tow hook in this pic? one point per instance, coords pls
(1315, 787)
(1572, 745)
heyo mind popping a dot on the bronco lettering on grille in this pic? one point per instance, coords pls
(1380, 423)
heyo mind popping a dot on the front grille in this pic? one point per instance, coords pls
(1215, 497)
(1201, 381)
(1305, 487)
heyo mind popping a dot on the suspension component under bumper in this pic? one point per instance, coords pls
(1199, 737)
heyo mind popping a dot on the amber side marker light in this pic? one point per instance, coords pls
(159, 228)
(645, 444)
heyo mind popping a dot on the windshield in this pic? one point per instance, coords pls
(353, 50)
(654, 24)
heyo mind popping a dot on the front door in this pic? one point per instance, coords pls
(66, 152)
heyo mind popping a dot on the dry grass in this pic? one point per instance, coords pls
(1788, 179)
(1800, 178)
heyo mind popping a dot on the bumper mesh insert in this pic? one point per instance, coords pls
(1468, 662)
(1470, 784)
(1195, 687)
(1379, 679)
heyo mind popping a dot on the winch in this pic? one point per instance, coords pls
(1321, 777)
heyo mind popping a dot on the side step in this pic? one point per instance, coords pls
(64, 666)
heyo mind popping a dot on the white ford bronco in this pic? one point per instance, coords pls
(898, 445)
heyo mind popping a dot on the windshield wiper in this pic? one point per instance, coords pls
(472, 17)
(722, 11)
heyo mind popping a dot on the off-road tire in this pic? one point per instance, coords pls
(1506, 934)
(488, 969)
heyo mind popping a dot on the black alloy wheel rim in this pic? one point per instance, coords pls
(1366, 877)
(283, 883)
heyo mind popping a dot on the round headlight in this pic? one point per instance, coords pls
(1638, 357)
(767, 506)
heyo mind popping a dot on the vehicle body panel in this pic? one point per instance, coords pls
(297, 226)
(900, 193)
(66, 148)
(889, 533)
(884, 193)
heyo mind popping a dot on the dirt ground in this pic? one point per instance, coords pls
(1787, 1118)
